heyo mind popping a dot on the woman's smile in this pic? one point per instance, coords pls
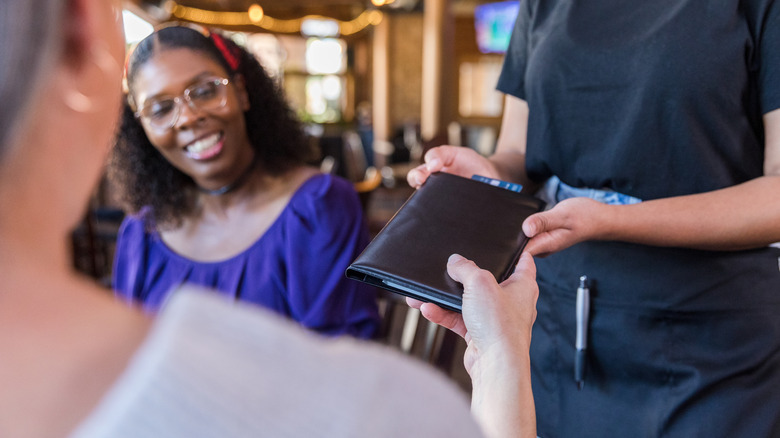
(210, 145)
(205, 147)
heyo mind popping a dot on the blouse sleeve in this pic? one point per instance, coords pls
(512, 78)
(129, 259)
(327, 233)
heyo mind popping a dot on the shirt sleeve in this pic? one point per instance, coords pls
(768, 41)
(326, 233)
(129, 259)
(512, 78)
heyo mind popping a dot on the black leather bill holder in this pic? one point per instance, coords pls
(447, 215)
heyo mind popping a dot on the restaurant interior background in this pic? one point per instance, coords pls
(377, 83)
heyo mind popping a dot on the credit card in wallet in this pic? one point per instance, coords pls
(499, 183)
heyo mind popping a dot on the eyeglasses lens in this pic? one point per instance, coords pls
(206, 96)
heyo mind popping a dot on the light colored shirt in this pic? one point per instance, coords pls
(214, 368)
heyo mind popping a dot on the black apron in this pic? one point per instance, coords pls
(682, 343)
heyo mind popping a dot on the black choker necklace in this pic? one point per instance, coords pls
(232, 186)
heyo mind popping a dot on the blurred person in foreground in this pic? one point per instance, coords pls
(74, 362)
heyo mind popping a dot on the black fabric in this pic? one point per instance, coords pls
(708, 367)
(653, 99)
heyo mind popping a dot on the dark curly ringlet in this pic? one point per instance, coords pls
(145, 178)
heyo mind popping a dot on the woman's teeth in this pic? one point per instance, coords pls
(205, 147)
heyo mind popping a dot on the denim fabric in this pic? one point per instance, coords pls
(555, 191)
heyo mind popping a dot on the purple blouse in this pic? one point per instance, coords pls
(296, 268)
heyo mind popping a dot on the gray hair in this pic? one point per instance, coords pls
(30, 37)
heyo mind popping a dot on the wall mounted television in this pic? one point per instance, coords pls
(494, 23)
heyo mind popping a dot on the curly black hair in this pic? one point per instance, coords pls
(144, 178)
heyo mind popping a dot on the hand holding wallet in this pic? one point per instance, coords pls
(447, 215)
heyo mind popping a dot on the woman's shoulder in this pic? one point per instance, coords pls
(323, 203)
(138, 228)
(248, 338)
(141, 221)
(325, 189)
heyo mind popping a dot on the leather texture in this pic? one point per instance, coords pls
(447, 215)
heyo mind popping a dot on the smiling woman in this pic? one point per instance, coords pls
(211, 164)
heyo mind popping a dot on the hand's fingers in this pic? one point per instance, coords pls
(434, 165)
(525, 272)
(440, 157)
(437, 315)
(417, 176)
(540, 246)
(539, 253)
(444, 318)
(526, 266)
(536, 224)
(467, 273)
(433, 159)
(459, 266)
(415, 304)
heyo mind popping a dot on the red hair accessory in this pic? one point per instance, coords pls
(229, 54)
(223, 48)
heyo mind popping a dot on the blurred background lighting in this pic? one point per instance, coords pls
(136, 28)
(256, 13)
(325, 56)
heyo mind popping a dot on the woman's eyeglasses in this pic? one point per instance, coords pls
(207, 95)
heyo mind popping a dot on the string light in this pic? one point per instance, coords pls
(255, 16)
(255, 13)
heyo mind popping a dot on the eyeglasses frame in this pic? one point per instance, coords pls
(185, 96)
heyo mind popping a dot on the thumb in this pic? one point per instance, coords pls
(535, 224)
(434, 160)
(526, 266)
(460, 268)
(417, 176)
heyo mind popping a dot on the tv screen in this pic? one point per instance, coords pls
(494, 23)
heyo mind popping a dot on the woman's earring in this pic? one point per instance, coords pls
(105, 67)
(78, 101)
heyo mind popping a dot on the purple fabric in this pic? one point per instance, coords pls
(296, 268)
